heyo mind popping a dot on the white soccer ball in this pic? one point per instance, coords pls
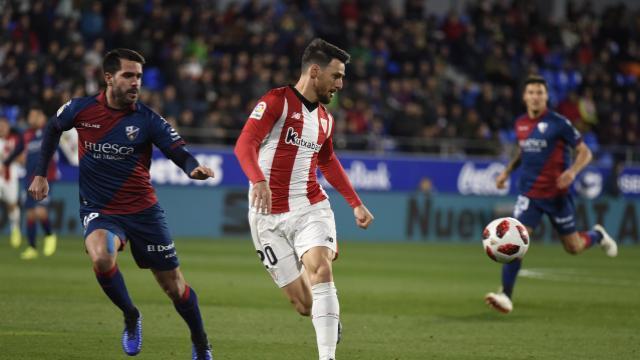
(505, 240)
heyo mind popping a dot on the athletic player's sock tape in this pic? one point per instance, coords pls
(111, 243)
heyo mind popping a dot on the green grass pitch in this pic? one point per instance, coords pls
(398, 301)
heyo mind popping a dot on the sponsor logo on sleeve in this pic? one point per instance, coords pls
(61, 109)
(258, 111)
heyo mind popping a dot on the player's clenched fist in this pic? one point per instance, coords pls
(201, 173)
(363, 216)
(39, 188)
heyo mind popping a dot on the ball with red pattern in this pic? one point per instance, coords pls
(505, 240)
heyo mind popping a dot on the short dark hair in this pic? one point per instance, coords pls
(535, 79)
(321, 52)
(111, 61)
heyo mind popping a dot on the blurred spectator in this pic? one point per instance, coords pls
(413, 74)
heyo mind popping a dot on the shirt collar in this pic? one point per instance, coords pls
(308, 104)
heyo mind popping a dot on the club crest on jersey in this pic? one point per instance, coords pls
(325, 123)
(132, 132)
(542, 127)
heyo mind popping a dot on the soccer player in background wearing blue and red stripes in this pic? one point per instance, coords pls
(118, 204)
(545, 140)
(37, 211)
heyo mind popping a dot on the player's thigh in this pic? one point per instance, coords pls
(562, 214)
(316, 229)
(275, 252)
(150, 240)
(104, 237)
(527, 212)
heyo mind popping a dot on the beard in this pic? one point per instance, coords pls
(324, 98)
(125, 98)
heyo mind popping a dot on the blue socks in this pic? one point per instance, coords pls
(509, 274)
(46, 226)
(590, 238)
(188, 308)
(31, 233)
(112, 284)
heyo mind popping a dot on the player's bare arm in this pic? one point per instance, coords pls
(363, 216)
(583, 158)
(201, 173)
(39, 188)
(513, 164)
(261, 197)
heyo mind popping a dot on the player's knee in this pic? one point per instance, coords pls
(321, 273)
(103, 262)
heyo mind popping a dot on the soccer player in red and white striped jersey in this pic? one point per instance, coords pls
(286, 138)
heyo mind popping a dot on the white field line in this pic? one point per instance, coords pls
(574, 276)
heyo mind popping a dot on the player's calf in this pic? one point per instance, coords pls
(573, 243)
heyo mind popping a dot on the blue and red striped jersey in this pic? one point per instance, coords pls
(115, 152)
(546, 143)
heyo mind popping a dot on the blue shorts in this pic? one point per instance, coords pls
(560, 210)
(31, 203)
(146, 232)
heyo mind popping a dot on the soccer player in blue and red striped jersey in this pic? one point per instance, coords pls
(37, 211)
(545, 140)
(118, 204)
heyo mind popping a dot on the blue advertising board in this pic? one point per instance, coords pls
(392, 173)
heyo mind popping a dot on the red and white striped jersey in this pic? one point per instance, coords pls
(284, 141)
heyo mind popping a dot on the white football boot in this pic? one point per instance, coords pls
(607, 243)
(499, 301)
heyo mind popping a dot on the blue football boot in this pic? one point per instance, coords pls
(132, 335)
(201, 352)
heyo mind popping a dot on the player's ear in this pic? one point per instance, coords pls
(108, 79)
(314, 71)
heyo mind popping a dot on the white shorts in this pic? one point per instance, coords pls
(9, 190)
(281, 239)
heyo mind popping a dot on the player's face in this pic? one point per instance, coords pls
(329, 80)
(126, 82)
(4, 128)
(535, 97)
(36, 119)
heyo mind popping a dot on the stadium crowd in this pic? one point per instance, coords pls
(413, 74)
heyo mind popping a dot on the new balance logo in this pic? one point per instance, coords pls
(293, 138)
(296, 116)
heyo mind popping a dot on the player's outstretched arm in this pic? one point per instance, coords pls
(39, 188)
